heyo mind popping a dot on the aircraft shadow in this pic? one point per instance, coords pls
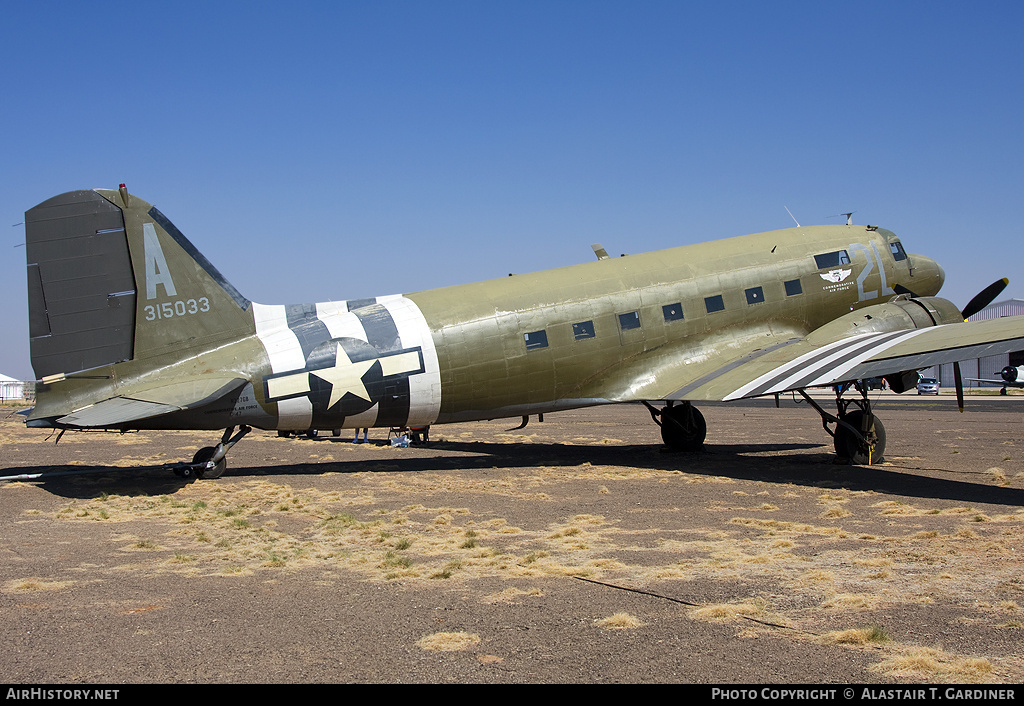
(739, 462)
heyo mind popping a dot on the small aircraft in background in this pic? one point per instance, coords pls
(132, 328)
(1012, 376)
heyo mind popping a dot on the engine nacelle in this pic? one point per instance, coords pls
(897, 315)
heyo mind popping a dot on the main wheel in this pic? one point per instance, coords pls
(205, 454)
(860, 452)
(683, 428)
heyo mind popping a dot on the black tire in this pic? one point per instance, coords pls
(858, 452)
(205, 454)
(683, 428)
(311, 433)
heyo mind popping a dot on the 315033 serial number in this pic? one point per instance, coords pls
(181, 307)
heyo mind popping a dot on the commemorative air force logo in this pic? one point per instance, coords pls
(345, 376)
(836, 276)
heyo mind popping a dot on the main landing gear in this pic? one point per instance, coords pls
(682, 426)
(211, 461)
(859, 436)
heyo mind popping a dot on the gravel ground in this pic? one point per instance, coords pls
(572, 550)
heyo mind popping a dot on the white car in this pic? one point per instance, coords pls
(927, 386)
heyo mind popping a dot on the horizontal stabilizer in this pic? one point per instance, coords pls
(153, 402)
(112, 412)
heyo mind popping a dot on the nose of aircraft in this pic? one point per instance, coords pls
(927, 276)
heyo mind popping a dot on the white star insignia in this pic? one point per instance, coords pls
(345, 377)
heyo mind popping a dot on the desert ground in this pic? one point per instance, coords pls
(572, 550)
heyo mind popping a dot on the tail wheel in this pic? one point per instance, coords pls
(683, 428)
(860, 452)
(205, 454)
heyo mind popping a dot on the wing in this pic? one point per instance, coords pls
(1000, 383)
(828, 356)
(878, 354)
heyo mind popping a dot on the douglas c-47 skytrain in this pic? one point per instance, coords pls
(132, 328)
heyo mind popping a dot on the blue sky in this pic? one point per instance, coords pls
(335, 150)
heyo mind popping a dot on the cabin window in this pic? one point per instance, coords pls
(793, 287)
(536, 339)
(629, 321)
(898, 253)
(715, 303)
(672, 312)
(755, 295)
(584, 329)
(832, 259)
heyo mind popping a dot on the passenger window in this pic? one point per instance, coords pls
(584, 329)
(793, 287)
(629, 321)
(898, 253)
(672, 312)
(755, 295)
(535, 340)
(714, 303)
(832, 259)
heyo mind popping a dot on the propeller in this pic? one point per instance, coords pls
(984, 297)
(980, 301)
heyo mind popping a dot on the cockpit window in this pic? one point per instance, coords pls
(896, 248)
(832, 259)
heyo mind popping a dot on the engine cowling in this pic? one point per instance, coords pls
(1012, 374)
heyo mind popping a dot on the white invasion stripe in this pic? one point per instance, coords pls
(363, 420)
(295, 414)
(424, 389)
(282, 346)
(797, 363)
(837, 372)
(285, 354)
(340, 322)
(824, 363)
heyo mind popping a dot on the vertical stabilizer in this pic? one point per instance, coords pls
(111, 279)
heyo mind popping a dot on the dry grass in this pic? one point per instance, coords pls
(28, 585)
(928, 664)
(619, 621)
(730, 612)
(448, 641)
(855, 636)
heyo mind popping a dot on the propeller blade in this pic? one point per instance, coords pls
(900, 289)
(959, 381)
(984, 297)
